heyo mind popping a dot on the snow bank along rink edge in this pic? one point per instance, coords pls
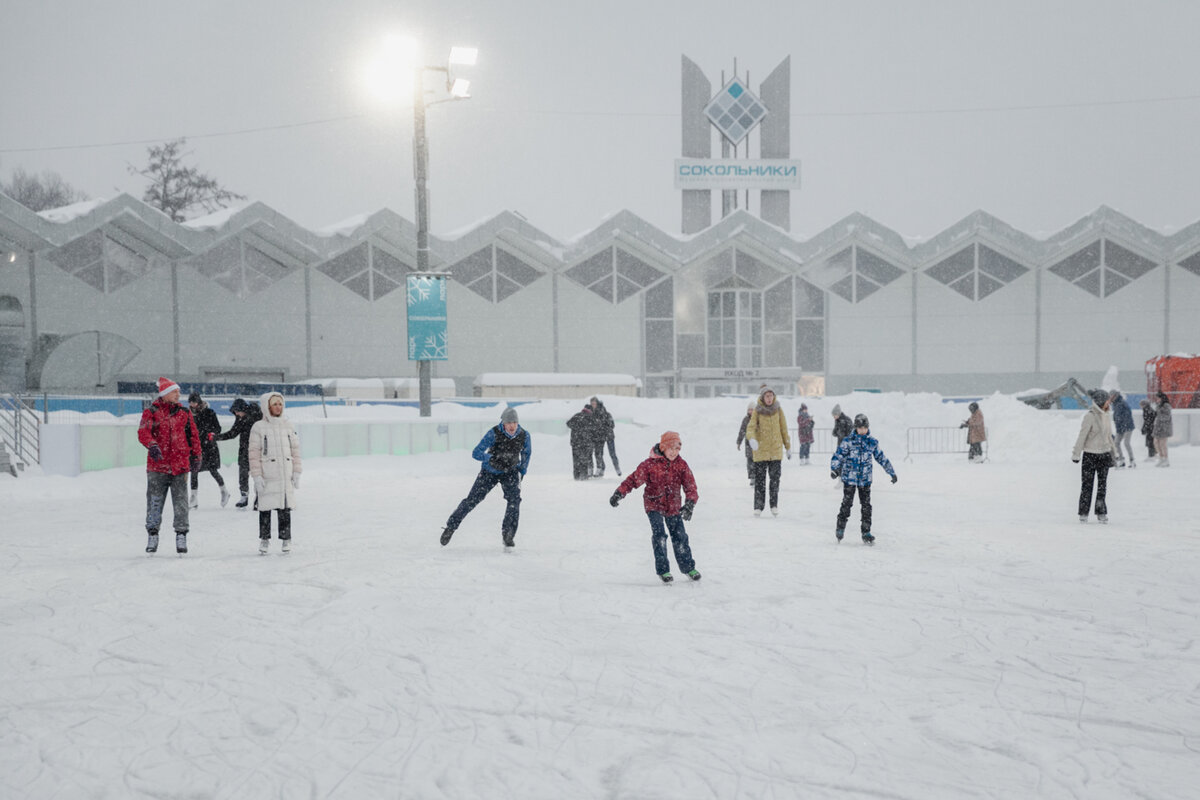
(988, 646)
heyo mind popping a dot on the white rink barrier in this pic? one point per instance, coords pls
(69, 449)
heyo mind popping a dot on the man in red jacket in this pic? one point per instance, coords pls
(172, 442)
(666, 476)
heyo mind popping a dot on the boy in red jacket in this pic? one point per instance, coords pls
(664, 474)
(173, 446)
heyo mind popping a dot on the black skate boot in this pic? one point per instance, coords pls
(152, 543)
(446, 534)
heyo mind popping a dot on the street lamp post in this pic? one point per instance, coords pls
(457, 89)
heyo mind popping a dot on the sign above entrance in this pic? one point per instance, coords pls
(766, 173)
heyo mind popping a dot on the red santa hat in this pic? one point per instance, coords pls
(166, 386)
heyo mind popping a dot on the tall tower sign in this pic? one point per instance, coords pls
(734, 112)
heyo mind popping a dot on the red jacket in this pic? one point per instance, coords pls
(171, 427)
(663, 479)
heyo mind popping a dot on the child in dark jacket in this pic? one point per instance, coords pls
(665, 475)
(852, 463)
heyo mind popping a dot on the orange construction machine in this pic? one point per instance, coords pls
(1178, 376)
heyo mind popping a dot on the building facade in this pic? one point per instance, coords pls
(115, 290)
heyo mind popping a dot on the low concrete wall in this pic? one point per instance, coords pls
(69, 449)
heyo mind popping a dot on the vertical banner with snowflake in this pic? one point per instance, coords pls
(426, 317)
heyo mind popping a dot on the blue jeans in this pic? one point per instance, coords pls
(679, 542)
(510, 483)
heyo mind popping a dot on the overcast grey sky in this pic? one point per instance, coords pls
(914, 113)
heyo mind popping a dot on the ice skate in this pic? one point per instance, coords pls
(194, 501)
(224, 496)
(758, 512)
(510, 540)
(694, 574)
(666, 577)
(868, 539)
(446, 534)
(840, 534)
(775, 510)
(285, 545)
(181, 543)
(1102, 519)
(263, 546)
(245, 501)
(1083, 519)
(152, 543)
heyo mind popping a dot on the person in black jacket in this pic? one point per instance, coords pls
(842, 426)
(583, 428)
(247, 414)
(1148, 426)
(210, 456)
(603, 434)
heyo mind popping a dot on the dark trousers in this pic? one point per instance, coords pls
(864, 502)
(244, 475)
(1094, 471)
(157, 485)
(975, 450)
(1150, 446)
(612, 452)
(762, 471)
(804, 448)
(214, 470)
(679, 542)
(598, 456)
(749, 461)
(581, 461)
(510, 484)
(285, 523)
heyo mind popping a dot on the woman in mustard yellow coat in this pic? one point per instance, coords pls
(767, 432)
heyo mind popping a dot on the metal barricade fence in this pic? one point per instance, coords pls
(19, 430)
(930, 441)
(823, 441)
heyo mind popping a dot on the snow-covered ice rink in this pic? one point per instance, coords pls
(989, 646)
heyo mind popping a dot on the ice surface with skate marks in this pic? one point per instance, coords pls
(988, 645)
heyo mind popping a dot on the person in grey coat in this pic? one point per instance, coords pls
(1163, 429)
(1123, 420)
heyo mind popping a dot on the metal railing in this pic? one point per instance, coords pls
(823, 441)
(20, 430)
(930, 441)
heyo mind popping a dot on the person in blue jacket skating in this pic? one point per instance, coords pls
(852, 463)
(504, 451)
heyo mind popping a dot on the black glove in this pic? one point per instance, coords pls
(833, 474)
(155, 453)
(616, 498)
(686, 511)
(894, 478)
(1074, 460)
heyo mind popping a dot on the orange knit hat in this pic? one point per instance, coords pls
(669, 437)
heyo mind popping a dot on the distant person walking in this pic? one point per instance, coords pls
(804, 433)
(976, 433)
(744, 444)
(602, 435)
(1094, 447)
(210, 461)
(1123, 421)
(1148, 426)
(275, 465)
(767, 432)
(1163, 429)
(504, 451)
(841, 426)
(172, 443)
(666, 476)
(583, 429)
(246, 415)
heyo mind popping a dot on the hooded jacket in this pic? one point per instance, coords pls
(274, 457)
(769, 426)
(852, 460)
(1095, 434)
(664, 480)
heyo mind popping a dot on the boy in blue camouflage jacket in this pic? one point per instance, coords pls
(852, 463)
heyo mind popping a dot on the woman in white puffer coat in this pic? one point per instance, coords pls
(275, 467)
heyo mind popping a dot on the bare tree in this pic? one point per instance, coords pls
(175, 189)
(40, 192)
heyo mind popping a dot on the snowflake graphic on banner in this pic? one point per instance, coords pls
(419, 289)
